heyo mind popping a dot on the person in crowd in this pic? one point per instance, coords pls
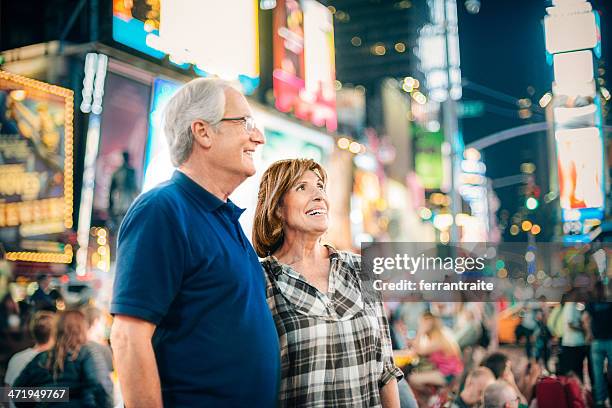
(500, 394)
(475, 383)
(468, 328)
(42, 325)
(501, 367)
(543, 338)
(574, 348)
(598, 317)
(100, 350)
(527, 327)
(435, 344)
(41, 298)
(69, 363)
(334, 335)
(123, 190)
(192, 326)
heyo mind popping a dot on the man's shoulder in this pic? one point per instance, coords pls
(164, 197)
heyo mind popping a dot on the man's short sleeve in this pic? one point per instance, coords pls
(150, 261)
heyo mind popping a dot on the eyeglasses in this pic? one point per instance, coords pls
(249, 122)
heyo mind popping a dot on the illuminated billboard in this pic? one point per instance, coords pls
(158, 166)
(580, 167)
(428, 157)
(216, 37)
(304, 62)
(36, 169)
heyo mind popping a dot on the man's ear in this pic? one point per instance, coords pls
(201, 131)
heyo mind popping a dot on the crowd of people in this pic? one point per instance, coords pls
(564, 346)
(56, 348)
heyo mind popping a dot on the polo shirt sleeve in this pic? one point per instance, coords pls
(150, 262)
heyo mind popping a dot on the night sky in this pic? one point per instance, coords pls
(503, 48)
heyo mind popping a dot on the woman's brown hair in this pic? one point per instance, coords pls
(275, 182)
(70, 336)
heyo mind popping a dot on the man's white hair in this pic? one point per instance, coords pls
(498, 394)
(201, 98)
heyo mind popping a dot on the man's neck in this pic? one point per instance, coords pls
(218, 183)
(39, 348)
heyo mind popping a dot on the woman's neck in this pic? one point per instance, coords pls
(298, 249)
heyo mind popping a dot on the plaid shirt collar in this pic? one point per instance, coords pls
(343, 300)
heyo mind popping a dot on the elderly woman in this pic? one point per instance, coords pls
(335, 345)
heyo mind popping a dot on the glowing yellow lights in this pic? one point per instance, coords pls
(68, 97)
(526, 225)
(18, 95)
(531, 279)
(343, 143)
(502, 273)
(354, 147)
(356, 41)
(514, 229)
(361, 89)
(337, 85)
(472, 154)
(378, 49)
(425, 213)
(332, 9)
(605, 93)
(528, 168)
(536, 229)
(545, 99)
(529, 256)
(444, 237)
(400, 47)
(101, 233)
(419, 98)
(541, 275)
(404, 4)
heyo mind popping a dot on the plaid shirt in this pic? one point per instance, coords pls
(335, 347)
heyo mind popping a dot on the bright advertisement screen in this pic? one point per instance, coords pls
(304, 62)
(428, 157)
(123, 129)
(36, 174)
(580, 167)
(216, 37)
(157, 166)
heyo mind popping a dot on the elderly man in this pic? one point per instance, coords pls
(192, 327)
(500, 394)
(476, 382)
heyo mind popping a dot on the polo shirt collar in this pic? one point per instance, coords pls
(209, 201)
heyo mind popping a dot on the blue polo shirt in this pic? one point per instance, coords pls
(184, 264)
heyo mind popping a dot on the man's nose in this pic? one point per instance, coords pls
(257, 136)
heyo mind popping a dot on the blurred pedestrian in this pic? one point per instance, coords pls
(192, 326)
(439, 352)
(501, 367)
(97, 343)
(500, 394)
(41, 330)
(475, 383)
(69, 363)
(574, 349)
(599, 316)
(334, 335)
(41, 298)
(123, 190)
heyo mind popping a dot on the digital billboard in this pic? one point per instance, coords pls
(158, 166)
(428, 157)
(36, 169)
(215, 37)
(304, 62)
(123, 129)
(580, 167)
